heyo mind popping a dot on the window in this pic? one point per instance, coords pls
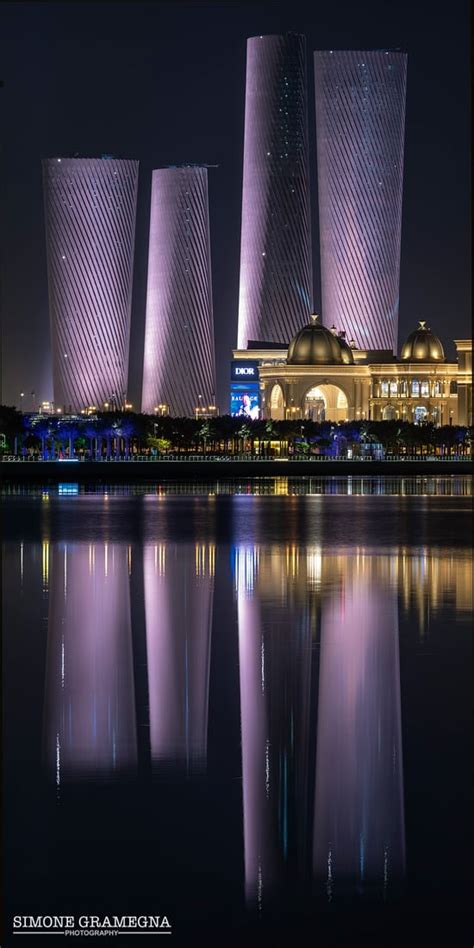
(437, 388)
(425, 387)
(420, 414)
(384, 388)
(393, 388)
(415, 387)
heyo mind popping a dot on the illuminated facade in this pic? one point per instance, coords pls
(312, 379)
(360, 124)
(179, 361)
(90, 209)
(275, 293)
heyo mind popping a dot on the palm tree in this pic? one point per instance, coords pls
(91, 432)
(244, 433)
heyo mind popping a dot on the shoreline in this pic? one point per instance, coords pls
(136, 471)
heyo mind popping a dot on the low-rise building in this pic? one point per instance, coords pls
(323, 377)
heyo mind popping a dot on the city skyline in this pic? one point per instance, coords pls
(434, 274)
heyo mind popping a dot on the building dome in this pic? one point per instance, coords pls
(315, 345)
(422, 345)
(347, 356)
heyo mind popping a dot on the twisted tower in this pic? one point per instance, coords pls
(360, 123)
(179, 360)
(275, 293)
(90, 208)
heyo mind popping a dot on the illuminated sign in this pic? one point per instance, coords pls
(245, 400)
(242, 370)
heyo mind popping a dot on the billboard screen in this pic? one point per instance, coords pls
(244, 371)
(245, 399)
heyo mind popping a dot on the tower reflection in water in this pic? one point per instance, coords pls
(359, 838)
(179, 589)
(275, 678)
(288, 598)
(90, 721)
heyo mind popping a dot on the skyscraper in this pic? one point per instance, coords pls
(275, 293)
(90, 208)
(360, 124)
(179, 360)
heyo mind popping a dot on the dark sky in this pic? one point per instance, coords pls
(164, 82)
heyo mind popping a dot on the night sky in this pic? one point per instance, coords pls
(165, 83)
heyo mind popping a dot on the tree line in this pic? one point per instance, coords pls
(126, 435)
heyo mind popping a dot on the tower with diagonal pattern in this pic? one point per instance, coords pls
(179, 360)
(275, 291)
(360, 124)
(90, 210)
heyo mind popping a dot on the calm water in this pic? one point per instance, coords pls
(245, 707)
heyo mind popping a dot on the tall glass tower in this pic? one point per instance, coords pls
(179, 361)
(275, 293)
(360, 124)
(90, 208)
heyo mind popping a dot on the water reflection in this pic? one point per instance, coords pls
(304, 614)
(90, 724)
(421, 485)
(178, 589)
(359, 836)
(275, 681)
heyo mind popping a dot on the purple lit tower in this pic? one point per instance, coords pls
(179, 590)
(360, 124)
(275, 294)
(179, 361)
(359, 835)
(90, 208)
(90, 719)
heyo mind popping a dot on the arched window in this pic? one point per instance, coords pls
(393, 388)
(389, 413)
(277, 404)
(384, 387)
(453, 388)
(437, 388)
(425, 387)
(415, 387)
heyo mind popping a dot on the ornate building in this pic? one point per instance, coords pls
(323, 377)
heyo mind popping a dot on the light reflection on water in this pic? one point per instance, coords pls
(421, 485)
(133, 589)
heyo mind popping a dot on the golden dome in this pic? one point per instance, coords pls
(316, 345)
(422, 345)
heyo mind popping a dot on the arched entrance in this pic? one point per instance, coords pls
(277, 407)
(325, 403)
(389, 413)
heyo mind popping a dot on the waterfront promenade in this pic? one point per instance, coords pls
(149, 469)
